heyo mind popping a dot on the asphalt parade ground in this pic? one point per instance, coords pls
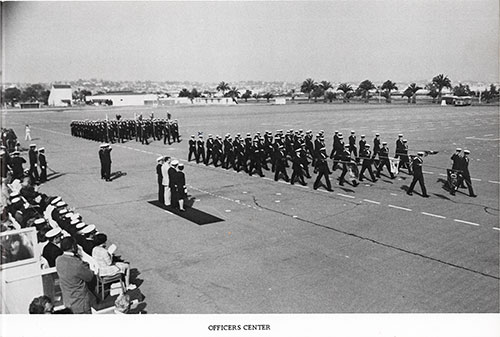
(291, 249)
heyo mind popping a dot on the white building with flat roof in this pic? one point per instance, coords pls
(60, 95)
(123, 98)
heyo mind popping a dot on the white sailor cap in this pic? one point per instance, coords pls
(346, 145)
(15, 200)
(53, 233)
(174, 162)
(400, 135)
(63, 211)
(362, 136)
(159, 159)
(61, 204)
(377, 134)
(384, 143)
(88, 229)
(367, 145)
(466, 151)
(40, 221)
(2, 152)
(420, 153)
(56, 200)
(68, 215)
(405, 140)
(79, 225)
(459, 149)
(32, 145)
(352, 131)
(14, 194)
(42, 149)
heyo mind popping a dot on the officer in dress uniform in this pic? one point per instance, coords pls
(217, 150)
(404, 161)
(297, 168)
(192, 148)
(323, 171)
(209, 146)
(346, 160)
(376, 147)
(33, 158)
(281, 165)
(200, 150)
(352, 145)
(384, 160)
(367, 163)
(399, 146)
(43, 164)
(159, 173)
(362, 144)
(255, 159)
(464, 167)
(418, 175)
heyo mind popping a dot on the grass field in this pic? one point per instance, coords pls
(291, 249)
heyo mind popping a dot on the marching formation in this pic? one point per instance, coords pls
(298, 150)
(121, 130)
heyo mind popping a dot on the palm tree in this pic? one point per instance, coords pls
(223, 86)
(441, 81)
(364, 88)
(234, 93)
(325, 85)
(411, 93)
(246, 95)
(388, 86)
(433, 91)
(317, 92)
(308, 86)
(268, 96)
(346, 89)
(330, 96)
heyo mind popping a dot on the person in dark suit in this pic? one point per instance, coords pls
(297, 168)
(352, 145)
(464, 167)
(418, 175)
(43, 165)
(52, 249)
(159, 174)
(16, 163)
(200, 150)
(281, 162)
(209, 146)
(172, 183)
(376, 148)
(180, 185)
(73, 276)
(362, 144)
(101, 160)
(346, 160)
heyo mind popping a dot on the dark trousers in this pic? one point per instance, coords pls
(384, 162)
(368, 167)
(297, 174)
(161, 193)
(468, 182)
(420, 179)
(317, 182)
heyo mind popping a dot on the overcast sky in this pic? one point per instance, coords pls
(231, 41)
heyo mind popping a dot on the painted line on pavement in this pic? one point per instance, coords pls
(497, 229)
(371, 201)
(494, 182)
(401, 208)
(434, 215)
(347, 196)
(442, 175)
(467, 222)
(475, 179)
(428, 172)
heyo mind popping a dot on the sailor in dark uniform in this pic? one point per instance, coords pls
(418, 175)
(365, 154)
(464, 167)
(192, 148)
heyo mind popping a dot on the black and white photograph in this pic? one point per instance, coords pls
(276, 168)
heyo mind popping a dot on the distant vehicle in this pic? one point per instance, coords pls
(457, 100)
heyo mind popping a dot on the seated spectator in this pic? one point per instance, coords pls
(104, 260)
(85, 238)
(16, 249)
(52, 249)
(73, 275)
(41, 305)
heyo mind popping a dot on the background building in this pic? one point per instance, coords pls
(60, 95)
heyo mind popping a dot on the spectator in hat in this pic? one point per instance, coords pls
(159, 175)
(104, 260)
(53, 248)
(180, 186)
(85, 238)
(418, 175)
(464, 167)
(43, 165)
(73, 277)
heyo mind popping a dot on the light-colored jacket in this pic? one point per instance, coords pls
(164, 172)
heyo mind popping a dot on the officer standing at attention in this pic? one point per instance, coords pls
(399, 146)
(200, 150)
(418, 175)
(376, 147)
(192, 147)
(362, 144)
(209, 146)
(464, 167)
(107, 162)
(101, 160)
(159, 173)
(43, 164)
(33, 157)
